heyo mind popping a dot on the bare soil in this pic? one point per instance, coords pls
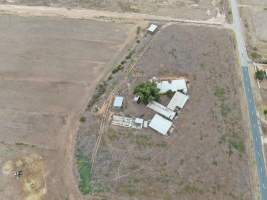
(205, 156)
(175, 8)
(49, 69)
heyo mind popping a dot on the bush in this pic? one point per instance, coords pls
(255, 55)
(147, 92)
(260, 75)
(82, 119)
(265, 112)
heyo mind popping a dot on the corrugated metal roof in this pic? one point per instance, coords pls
(152, 28)
(161, 109)
(160, 124)
(118, 102)
(173, 85)
(178, 100)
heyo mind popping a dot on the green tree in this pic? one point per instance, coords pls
(147, 92)
(260, 75)
(265, 111)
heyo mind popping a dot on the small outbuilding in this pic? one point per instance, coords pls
(160, 124)
(118, 102)
(152, 28)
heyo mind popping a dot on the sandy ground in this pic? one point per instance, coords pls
(197, 160)
(49, 68)
(173, 8)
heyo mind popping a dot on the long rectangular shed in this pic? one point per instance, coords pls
(160, 124)
(161, 109)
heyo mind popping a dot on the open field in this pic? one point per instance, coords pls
(175, 8)
(254, 18)
(49, 69)
(205, 156)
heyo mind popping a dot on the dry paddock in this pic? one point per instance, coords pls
(175, 8)
(206, 156)
(49, 68)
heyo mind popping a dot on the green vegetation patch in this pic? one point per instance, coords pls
(84, 168)
(190, 189)
(255, 55)
(260, 75)
(147, 92)
(237, 144)
(219, 92)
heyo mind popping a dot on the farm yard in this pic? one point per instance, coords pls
(49, 69)
(205, 155)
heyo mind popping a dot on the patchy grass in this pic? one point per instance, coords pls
(84, 168)
(237, 144)
(128, 188)
(142, 140)
(190, 189)
(113, 135)
(219, 92)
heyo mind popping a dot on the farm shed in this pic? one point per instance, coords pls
(178, 100)
(161, 109)
(152, 28)
(173, 85)
(160, 124)
(118, 101)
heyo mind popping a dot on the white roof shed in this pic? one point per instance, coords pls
(173, 85)
(160, 124)
(118, 102)
(152, 28)
(178, 100)
(161, 109)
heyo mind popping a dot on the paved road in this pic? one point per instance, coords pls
(255, 126)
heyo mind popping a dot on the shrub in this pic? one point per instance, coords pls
(147, 92)
(260, 75)
(255, 55)
(82, 119)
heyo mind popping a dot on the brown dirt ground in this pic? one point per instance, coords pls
(198, 160)
(175, 8)
(49, 68)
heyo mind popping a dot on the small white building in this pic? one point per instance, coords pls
(118, 102)
(172, 85)
(178, 101)
(139, 122)
(152, 28)
(162, 110)
(160, 124)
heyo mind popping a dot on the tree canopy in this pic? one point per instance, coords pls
(147, 92)
(260, 75)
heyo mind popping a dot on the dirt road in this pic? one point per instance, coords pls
(96, 14)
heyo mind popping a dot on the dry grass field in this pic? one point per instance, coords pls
(176, 8)
(206, 155)
(49, 69)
